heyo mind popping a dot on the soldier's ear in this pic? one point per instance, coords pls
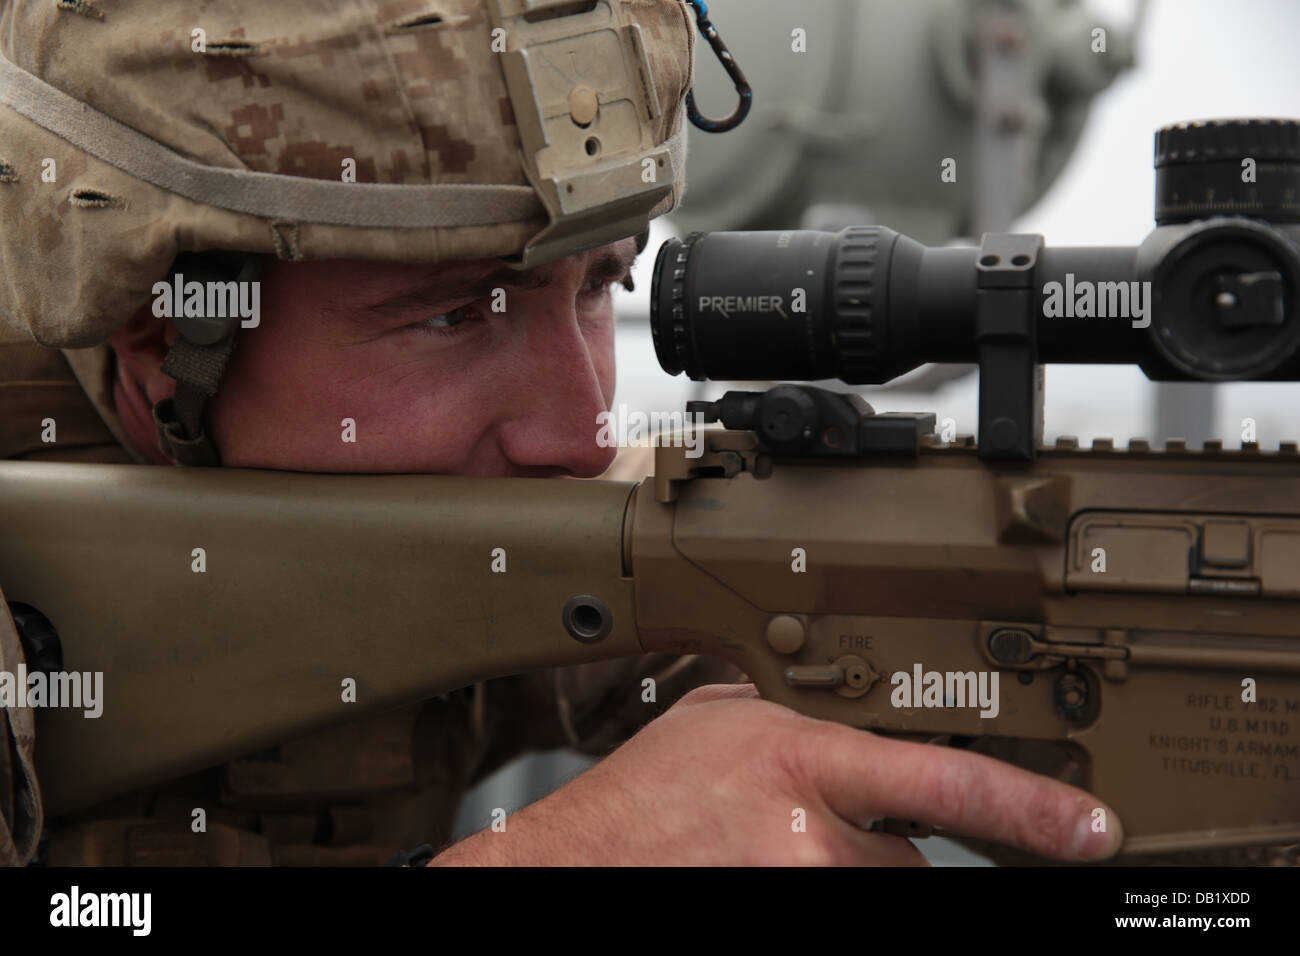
(140, 346)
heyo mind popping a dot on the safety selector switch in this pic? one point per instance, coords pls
(849, 675)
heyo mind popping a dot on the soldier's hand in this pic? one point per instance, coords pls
(726, 778)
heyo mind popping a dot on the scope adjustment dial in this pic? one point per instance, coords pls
(1231, 167)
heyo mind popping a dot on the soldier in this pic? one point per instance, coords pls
(371, 164)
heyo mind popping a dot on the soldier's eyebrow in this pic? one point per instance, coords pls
(440, 290)
(612, 265)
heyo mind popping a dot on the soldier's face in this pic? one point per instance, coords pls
(459, 368)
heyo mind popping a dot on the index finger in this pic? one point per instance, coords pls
(864, 776)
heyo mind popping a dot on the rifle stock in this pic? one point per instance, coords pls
(310, 579)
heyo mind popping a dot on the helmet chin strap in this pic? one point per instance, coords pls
(197, 359)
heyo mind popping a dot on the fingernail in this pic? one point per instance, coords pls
(1097, 835)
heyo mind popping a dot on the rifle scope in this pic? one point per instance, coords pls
(1211, 294)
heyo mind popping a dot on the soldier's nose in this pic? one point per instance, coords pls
(557, 403)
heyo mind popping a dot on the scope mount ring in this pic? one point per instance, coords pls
(1010, 378)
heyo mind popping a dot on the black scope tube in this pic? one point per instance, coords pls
(875, 304)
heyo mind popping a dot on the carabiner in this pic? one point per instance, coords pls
(710, 33)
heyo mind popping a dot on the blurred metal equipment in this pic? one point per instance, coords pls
(881, 95)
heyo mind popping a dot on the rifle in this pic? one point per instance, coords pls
(1133, 609)
(1127, 617)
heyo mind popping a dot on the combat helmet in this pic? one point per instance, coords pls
(402, 130)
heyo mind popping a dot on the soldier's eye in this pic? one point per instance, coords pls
(447, 323)
(598, 286)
